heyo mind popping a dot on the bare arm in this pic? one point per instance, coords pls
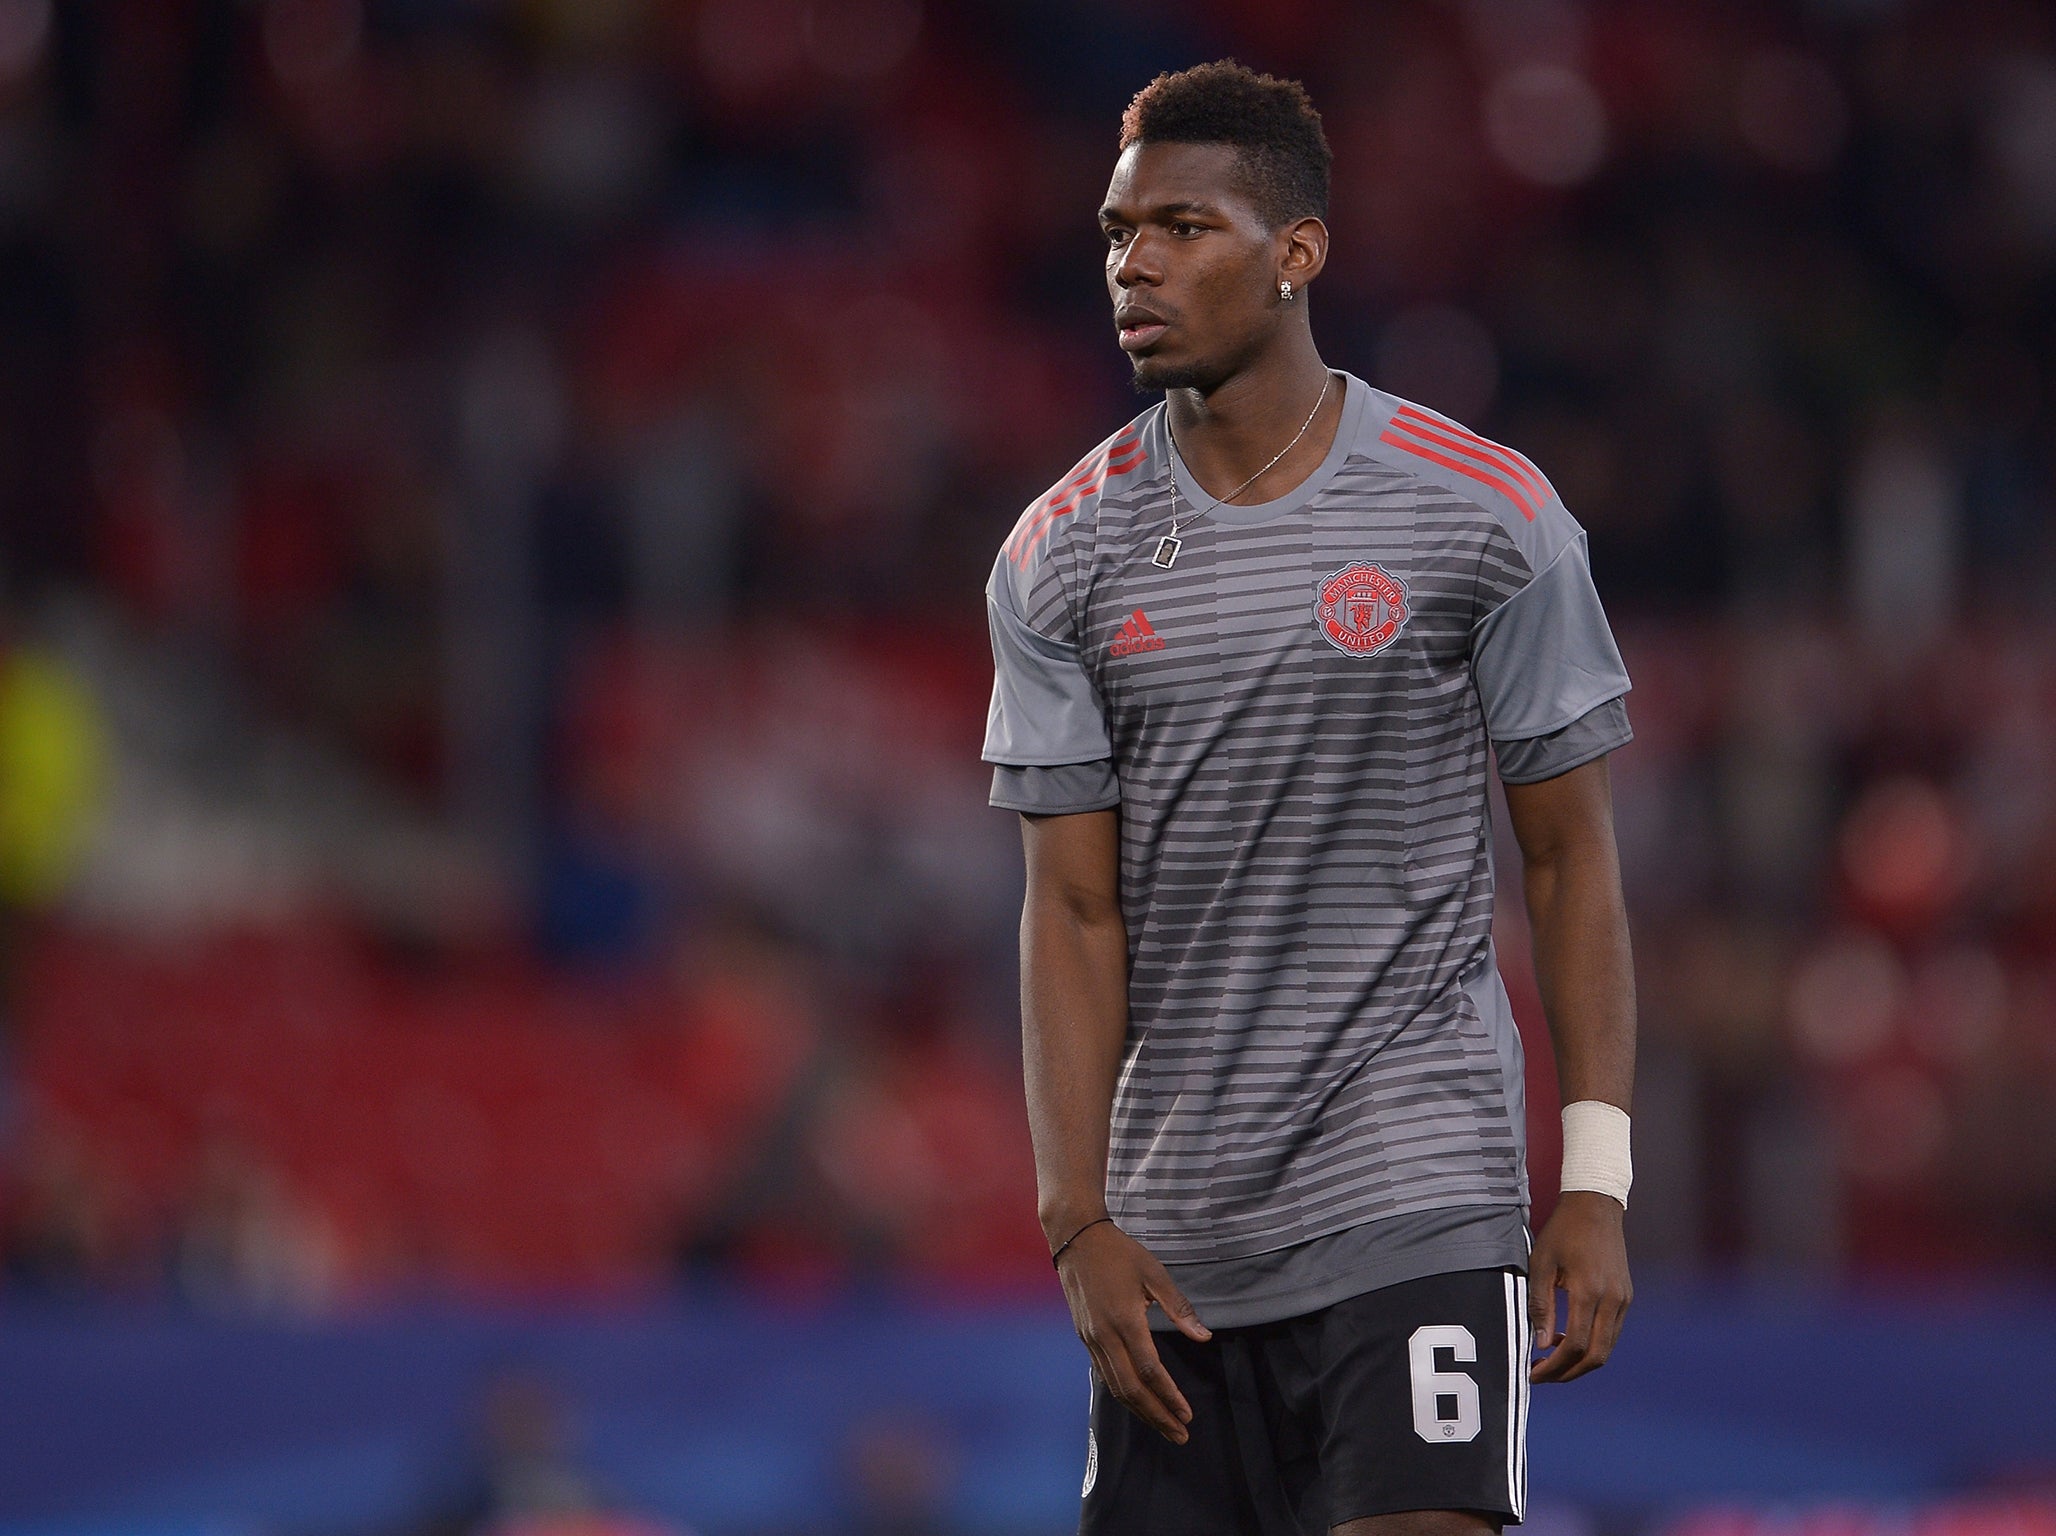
(1074, 1025)
(1571, 873)
(1074, 1009)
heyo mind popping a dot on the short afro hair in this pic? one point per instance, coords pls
(1284, 153)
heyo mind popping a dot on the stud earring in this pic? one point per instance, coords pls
(1284, 293)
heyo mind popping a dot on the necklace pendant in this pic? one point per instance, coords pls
(1166, 551)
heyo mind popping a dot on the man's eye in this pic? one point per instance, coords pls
(1116, 236)
(1181, 228)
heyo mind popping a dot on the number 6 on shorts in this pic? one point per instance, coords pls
(1432, 1389)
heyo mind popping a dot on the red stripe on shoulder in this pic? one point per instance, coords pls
(1528, 470)
(1048, 519)
(1116, 456)
(1125, 442)
(1468, 468)
(1448, 434)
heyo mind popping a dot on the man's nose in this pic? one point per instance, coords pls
(1135, 264)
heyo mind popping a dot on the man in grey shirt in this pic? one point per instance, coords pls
(1253, 657)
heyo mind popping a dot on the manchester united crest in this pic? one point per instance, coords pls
(1360, 608)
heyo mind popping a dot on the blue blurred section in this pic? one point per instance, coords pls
(720, 1416)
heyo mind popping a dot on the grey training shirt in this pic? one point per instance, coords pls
(1321, 1090)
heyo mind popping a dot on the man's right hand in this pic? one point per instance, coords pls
(1110, 1279)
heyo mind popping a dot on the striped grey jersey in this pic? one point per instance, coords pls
(1293, 719)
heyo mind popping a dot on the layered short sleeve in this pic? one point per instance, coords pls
(1549, 676)
(1046, 731)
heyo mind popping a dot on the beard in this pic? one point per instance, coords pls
(1205, 374)
(1151, 377)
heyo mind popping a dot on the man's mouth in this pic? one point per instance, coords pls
(1139, 331)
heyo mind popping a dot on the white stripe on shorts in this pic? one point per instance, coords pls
(1520, 1424)
(1513, 1396)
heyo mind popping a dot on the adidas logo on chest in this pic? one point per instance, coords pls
(1136, 635)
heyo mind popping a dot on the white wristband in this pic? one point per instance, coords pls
(1595, 1149)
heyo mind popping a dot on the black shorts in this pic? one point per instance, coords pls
(1410, 1397)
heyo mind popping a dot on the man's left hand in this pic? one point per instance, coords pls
(1583, 1253)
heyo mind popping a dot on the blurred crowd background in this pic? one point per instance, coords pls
(494, 502)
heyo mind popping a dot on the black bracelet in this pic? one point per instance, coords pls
(1074, 1238)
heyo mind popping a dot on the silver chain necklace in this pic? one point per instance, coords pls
(1169, 545)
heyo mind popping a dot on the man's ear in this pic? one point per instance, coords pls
(1305, 252)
